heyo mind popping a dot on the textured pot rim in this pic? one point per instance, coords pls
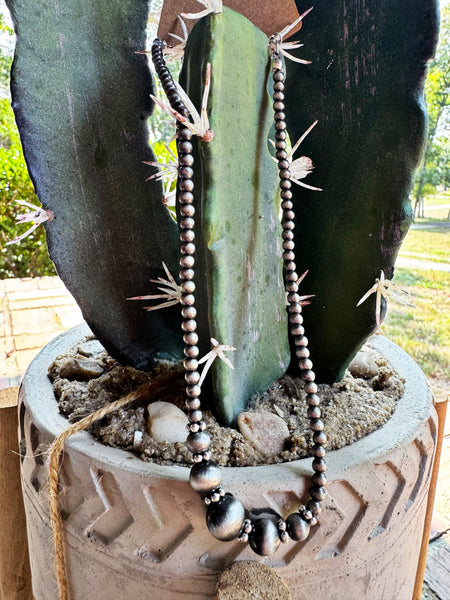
(412, 409)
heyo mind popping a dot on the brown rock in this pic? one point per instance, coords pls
(266, 431)
(248, 580)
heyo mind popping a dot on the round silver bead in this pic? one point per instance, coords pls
(195, 416)
(198, 442)
(297, 528)
(188, 312)
(187, 299)
(187, 210)
(187, 235)
(190, 364)
(205, 476)
(193, 403)
(193, 391)
(187, 223)
(310, 387)
(187, 287)
(224, 519)
(191, 352)
(187, 249)
(264, 538)
(187, 262)
(189, 325)
(192, 377)
(190, 339)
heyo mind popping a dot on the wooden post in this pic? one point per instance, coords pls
(15, 576)
(441, 409)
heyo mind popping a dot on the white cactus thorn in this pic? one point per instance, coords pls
(384, 288)
(37, 215)
(200, 122)
(172, 292)
(217, 351)
(211, 6)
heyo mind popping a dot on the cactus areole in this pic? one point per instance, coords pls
(85, 143)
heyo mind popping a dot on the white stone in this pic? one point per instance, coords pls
(363, 365)
(266, 431)
(166, 422)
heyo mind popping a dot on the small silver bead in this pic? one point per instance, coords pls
(188, 312)
(195, 416)
(187, 235)
(284, 537)
(301, 341)
(193, 427)
(187, 262)
(248, 526)
(295, 307)
(190, 364)
(187, 210)
(243, 538)
(297, 330)
(293, 297)
(319, 437)
(287, 235)
(302, 352)
(314, 412)
(193, 391)
(192, 352)
(186, 197)
(192, 377)
(316, 424)
(215, 497)
(306, 364)
(313, 521)
(288, 255)
(197, 458)
(187, 223)
(282, 525)
(292, 275)
(287, 204)
(190, 339)
(207, 500)
(288, 244)
(296, 319)
(188, 249)
(288, 224)
(187, 299)
(202, 425)
(193, 403)
(310, 387)
(187, 287)
(289, 214)
(292, 286)
(189, 325)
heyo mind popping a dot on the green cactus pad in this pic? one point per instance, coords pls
(365, 86)
(239, 234)
(81, 99)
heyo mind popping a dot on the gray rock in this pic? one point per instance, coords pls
(81, 369)
(266, 431)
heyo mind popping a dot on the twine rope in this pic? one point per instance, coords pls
(54, 462)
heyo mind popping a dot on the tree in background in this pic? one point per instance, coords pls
(435, 170)
(29, 258)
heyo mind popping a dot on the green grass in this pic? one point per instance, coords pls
(423, 331)
(431, 244)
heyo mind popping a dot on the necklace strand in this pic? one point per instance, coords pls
(225, 515)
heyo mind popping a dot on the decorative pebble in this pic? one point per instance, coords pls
(81, 369)
(266, 431)
(245, 580)
(137, 441)
(363, 365)
(166, 422)
(90, 348)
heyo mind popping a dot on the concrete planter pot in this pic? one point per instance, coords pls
(135, 530)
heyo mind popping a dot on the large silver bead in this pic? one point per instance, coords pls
(264, 538)
(198, 442)
(297, 527)
(204, 476)
(224, 519)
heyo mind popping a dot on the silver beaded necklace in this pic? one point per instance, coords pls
(225, 515)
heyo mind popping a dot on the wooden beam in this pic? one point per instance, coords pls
(15, 576)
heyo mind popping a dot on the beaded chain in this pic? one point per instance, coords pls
(225, 515)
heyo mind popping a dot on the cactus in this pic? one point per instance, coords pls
(81, 95)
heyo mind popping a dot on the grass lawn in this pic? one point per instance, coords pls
(428, 244)
(424, 331)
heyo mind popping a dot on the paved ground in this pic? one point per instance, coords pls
(33, 311)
